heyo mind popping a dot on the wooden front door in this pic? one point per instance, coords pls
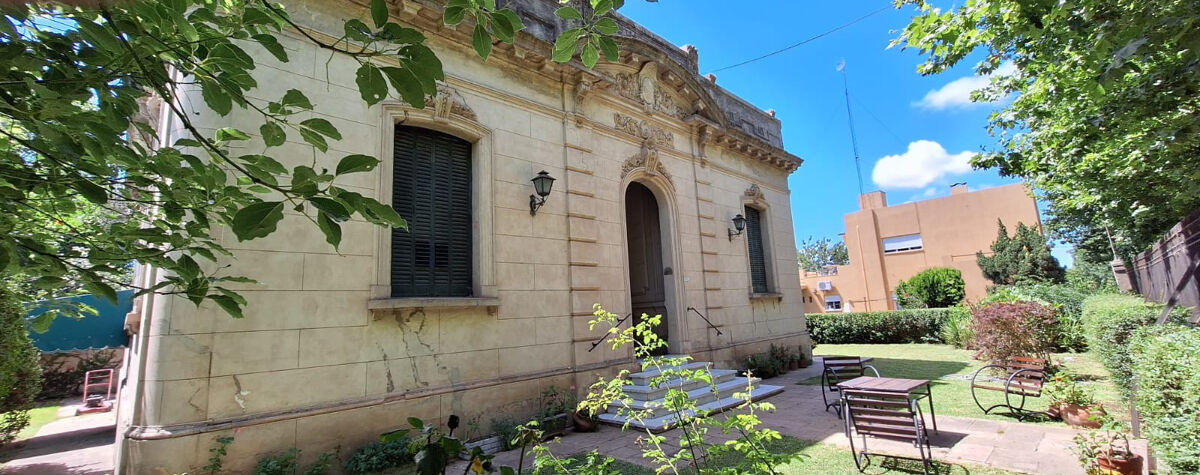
(647, 294)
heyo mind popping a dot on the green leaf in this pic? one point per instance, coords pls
(257, 220)
(502, 28)
(272, 46)
(399, 34)
(406, 83)
(454, 15)
(93, 284)
(93, 192)
(356, 163)
(322, 127)
(602, 7)
(225, 134)
(331, 229)
(482, 41)
(564, 46)
(609, 48)
(371, 84)
(228, 304)
(295, 98)
(568, 13)
(590, 55)
(314, 139)
(379, 12)
(334, 208)
(272, 134)
(416, 423)
(216, 98)
(41, 323)
(607, 26)
(357, 30)
(187, 143)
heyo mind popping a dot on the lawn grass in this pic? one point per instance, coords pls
(811, 457)
(950, 370)
(38, 417)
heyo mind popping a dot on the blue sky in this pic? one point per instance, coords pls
(920, 123)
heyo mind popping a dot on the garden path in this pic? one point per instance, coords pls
(75, 445)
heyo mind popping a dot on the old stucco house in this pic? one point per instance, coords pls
(482, 304)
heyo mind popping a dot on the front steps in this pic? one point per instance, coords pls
(714, 400)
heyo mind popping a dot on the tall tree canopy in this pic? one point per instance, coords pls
(1023, 257)
(1105, 96)
(813, 254)
(88, 185)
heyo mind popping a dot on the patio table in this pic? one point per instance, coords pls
(909, 387)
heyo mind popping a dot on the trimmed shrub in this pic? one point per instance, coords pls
(20, 373)
(1109, 320)
(1066, 300)
(937, 287)
(1166, 361)
(1007, 329)
(900, 326)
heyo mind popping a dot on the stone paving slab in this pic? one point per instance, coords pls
(800, 413)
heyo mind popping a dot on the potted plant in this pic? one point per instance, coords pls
(1073, 402)
(583, 421)
(1107, 451)
(804, 361)
(556, 406)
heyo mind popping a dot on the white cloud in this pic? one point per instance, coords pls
(957, 93)
(923, 163)
(930, 192)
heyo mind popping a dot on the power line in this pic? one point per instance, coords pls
(808, 40)
(850, 117)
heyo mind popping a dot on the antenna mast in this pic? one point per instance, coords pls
(850, 117)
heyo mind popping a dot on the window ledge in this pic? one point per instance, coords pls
(766, 296)
(432, 302)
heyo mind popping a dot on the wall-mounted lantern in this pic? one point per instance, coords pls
(739, 222)
(541, 184)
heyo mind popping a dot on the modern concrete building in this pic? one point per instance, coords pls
(888, 244)
(478, 316)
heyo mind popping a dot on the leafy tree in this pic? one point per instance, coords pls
(20, 373)
(81, 82)
(936, 287)
(814, 254)
(1091, 277)
(1024, 257)
(1104, 98)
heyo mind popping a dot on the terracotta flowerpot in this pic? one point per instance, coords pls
(582, 422)
(1132, 466)
(805, 362)
(1054, 412)
(793, 365)
(1081, 416)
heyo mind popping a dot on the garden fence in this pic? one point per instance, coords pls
(1170, 270)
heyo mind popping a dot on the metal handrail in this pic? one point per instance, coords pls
(710, 324)
(602, 337)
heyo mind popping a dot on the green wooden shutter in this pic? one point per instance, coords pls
(758, 264)
(431, 188)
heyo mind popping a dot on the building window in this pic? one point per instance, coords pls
(431, 189)
(911, 242)
(758, 258)
(833, 303)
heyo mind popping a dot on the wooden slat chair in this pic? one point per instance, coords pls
(1024, 378)
(839, 369)
(885, 415)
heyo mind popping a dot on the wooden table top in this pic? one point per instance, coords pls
(897, 385)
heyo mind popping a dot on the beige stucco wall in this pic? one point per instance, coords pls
(952, 228)
(310, 366)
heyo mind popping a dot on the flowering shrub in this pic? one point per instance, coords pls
(1007, 329)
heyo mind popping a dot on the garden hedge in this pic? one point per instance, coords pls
(1166, 361)
(1068, 303)
(20, 374)
(900, 326)
(1109, 320)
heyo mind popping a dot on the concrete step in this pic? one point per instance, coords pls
(649, 393)
(642, 378)
(700, 395)
(666, 421)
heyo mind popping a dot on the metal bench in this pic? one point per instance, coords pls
(1024, 379)
(839, 369)
(885, 415)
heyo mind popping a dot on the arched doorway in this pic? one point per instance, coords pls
(647, 274)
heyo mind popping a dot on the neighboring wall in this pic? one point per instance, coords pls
(1170, 269)
(952, 229)
(323, 359)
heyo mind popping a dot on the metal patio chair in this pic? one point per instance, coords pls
(1024, 378)
(885, 415)
(839, 369)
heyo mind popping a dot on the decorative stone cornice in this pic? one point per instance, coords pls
(449, 101)
(652, 139)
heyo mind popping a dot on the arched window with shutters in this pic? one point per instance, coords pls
(431, 189)
(759, 283)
